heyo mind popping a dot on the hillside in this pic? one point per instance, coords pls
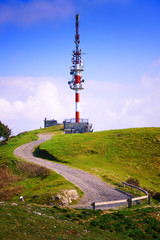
(105, 154)
(27, 221)
(114, 155)
(35, 183)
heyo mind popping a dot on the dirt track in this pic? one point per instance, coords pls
(95, 190)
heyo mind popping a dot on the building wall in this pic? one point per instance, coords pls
(50, 123)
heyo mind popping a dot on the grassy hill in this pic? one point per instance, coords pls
(33, 182)
(114, 155)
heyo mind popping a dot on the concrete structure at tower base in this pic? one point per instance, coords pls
(71, 126)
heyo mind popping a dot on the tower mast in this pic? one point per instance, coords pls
(76, 83)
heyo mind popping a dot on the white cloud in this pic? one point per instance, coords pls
(151, 81)
(46, 98)
(114, 105)
(26, 101)
(35, 11)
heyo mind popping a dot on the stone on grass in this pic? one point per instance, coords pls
(14, 204)
(21, 199)
(66, 197)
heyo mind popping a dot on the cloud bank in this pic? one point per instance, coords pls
(26, 101)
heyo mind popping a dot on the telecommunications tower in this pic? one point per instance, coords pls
(77, 124)
(76, 83)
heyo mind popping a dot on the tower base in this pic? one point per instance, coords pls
(71, 126)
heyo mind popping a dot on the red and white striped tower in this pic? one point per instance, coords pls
(76, 83)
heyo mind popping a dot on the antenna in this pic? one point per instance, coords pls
(76, 70)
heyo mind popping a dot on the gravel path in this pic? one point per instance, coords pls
(95, 190)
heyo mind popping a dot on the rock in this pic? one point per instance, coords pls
(35, 196)
(14, 204)
(66, 197)
(38, 213)
(21, 199)
(57, 197)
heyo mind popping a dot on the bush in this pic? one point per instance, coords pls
(156, 196)
(149, 191)
(94, 223)
(136, 234)
(3, 142)
(6, 178)
(133, 181)
(32, 170)
(5, 132)
(9, 193)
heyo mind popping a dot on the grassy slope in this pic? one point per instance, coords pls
(41, 222)
(114, 155)
(21, 221)
(26, 179)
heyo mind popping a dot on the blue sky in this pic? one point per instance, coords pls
(122, 62)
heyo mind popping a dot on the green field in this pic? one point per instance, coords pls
(114, 155)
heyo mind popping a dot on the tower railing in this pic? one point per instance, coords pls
(73, 120)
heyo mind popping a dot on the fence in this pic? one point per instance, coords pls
(73, 120)
(129, 200)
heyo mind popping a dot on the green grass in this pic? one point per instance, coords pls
(28, 221)
(114, 155)
(18, 177)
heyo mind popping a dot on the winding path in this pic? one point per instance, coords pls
(95, 190)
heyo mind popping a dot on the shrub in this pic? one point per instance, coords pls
(149, 191)
(6, 178)
(156, 196)
(32, 170)
(5, 132)
(136, 234)
(133, 181)
(3, 142)
(94, 223)
(153, 223)
(9, 193)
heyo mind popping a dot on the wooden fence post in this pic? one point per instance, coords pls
(94, 205)
(129, 200)
(149, 199)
